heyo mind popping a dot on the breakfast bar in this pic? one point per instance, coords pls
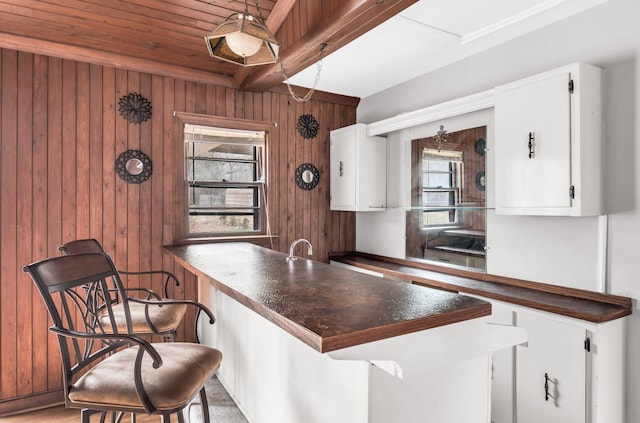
(306, 341)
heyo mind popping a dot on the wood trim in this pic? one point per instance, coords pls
(31, 402)
(224, 122)
(97, 57)
(527, 293)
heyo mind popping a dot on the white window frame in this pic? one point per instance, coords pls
(456, 173)
(255, 208)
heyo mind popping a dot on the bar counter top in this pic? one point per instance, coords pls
(326, 307)
(580, 304)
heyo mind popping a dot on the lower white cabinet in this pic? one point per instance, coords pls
(569, 371)
(550, 371)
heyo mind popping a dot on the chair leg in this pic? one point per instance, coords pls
(85, 416)
(86, 413)
(205, 406)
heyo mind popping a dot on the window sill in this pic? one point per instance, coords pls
(256, 239)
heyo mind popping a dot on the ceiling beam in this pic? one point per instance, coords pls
(84, 54)
(277, 16)
(348, 22)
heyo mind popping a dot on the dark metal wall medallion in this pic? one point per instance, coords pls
(307, 126)
(134, 108)
(480, 180)
(133, 166)
(307, 176)
(480, 146)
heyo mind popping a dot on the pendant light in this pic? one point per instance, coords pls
(243, 39)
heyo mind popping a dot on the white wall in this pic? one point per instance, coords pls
(607, 36)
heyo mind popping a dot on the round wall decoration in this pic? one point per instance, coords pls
(307, 176)
(134, 108)
(133, 166)
(307, 126)
(480, 146)
(480, 180)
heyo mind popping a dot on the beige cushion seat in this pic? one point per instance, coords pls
(165, 317)
(187, 365)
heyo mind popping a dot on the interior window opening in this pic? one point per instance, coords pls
(224, 175)
(442, 179)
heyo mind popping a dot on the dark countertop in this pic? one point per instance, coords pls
(580, 304)
(326, 307)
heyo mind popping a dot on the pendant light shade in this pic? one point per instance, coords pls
(243, 39)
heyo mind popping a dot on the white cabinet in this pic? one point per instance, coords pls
(358, 170)
(578, 363)
(550, 372)
(548, 132)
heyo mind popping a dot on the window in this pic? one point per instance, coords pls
(442, 175)
(224, 177)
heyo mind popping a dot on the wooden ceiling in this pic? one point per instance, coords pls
(166, 37)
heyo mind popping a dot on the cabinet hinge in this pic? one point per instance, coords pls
(571, 86)
(587, 344)
(572, 192)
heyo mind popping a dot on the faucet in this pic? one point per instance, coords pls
(291, 257)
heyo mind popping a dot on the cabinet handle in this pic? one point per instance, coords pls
(546, 387)
(341, 168)
(532, 145)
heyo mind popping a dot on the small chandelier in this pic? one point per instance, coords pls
(243, 39)
(441, 137)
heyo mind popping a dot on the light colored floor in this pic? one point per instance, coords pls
(221, 409)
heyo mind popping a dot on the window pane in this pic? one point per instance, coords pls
(436, 180)
(221, 224)
(436, 165)
(440, 217)
(222, 197)
(220, 162)
(437, 199)
(220, 171)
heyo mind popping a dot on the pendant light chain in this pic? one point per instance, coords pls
(257, 8)
(296, 97)
(307, 97)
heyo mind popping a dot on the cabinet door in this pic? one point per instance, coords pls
(343, 169)
(502, 365)
(557, 350)
(538, 176)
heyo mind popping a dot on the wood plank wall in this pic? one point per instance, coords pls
(60, 133)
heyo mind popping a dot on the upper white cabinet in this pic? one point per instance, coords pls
(358, 170)
(548, 132)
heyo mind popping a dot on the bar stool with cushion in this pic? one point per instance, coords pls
(108, 369)
(152, 314)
